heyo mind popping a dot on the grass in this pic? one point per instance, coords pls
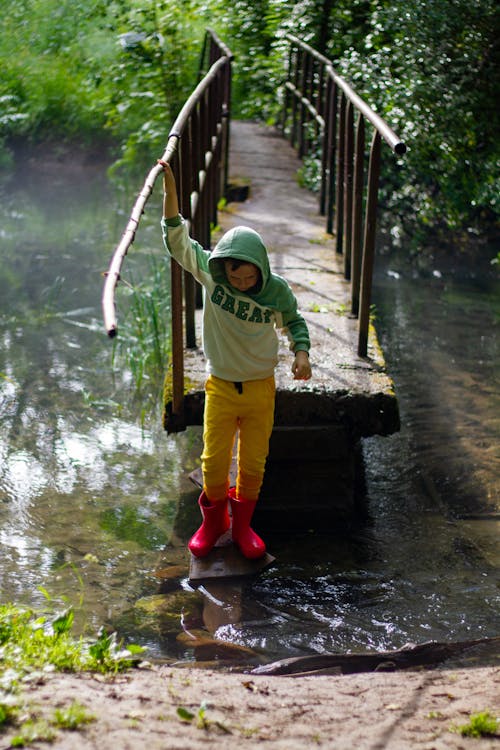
(33, 730)
(143, 343)
(482, 724)
(73, 717)
(38, 729)
(8, 711)
(200, 718)
(33, 644)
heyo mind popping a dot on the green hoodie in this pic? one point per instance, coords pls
(239, 328)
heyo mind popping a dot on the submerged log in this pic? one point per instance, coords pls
(423, 655)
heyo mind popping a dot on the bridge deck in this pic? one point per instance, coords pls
(346, 389)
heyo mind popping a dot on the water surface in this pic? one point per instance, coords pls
(91, 486)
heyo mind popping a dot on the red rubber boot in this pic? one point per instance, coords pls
(215, 522)
(250, 543)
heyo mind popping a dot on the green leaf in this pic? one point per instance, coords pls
(63, 622)
(134, 648)
(184, 714)
(46, 594)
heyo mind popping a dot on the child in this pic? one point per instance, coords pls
(243, 302)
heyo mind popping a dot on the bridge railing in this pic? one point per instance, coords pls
(320, 108)
(197, 150)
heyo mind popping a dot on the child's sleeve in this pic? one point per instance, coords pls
(186, 251)
(296, 327)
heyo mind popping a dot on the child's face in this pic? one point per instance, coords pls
(242, 278)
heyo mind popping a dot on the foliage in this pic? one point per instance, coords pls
(253, 30)
(482, 724)
(94, 69)
(429, 68)
(8, 711)
(33, 730)
(144, 340)
(73, 716)
(200, 718)
(31, 642)
(432, 71)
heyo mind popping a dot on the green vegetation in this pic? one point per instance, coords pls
(482, 724)
(431, 69)
(32, 730)
(200, 718)
(92, 70)
(30, 727)
(31, 642)
(72, 717)
(144, 340)
(95, 71)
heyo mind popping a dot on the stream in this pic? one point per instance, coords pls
(90, 487)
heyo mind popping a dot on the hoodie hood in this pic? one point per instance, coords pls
(240, 243)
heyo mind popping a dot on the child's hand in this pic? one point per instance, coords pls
(170, 200)
(168, 177)
(301, 367)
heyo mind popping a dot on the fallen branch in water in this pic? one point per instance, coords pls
(425, 654)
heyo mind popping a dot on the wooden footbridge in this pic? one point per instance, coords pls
(322, 244)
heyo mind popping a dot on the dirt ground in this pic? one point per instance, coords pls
(367, 711)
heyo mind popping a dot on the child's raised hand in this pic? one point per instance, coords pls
(301, 367)
(168, 177)
(170, 201)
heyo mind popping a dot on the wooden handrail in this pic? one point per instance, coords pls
(197, 149)
(320, 96)
(178, 128)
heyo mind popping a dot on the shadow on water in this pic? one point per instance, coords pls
(96, 507)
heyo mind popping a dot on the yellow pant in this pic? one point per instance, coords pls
(227, 411)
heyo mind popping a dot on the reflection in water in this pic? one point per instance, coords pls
(87, 496)
(92, 503)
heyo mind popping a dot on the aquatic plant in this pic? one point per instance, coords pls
(143, 343)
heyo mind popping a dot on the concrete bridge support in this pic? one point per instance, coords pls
(313, 480)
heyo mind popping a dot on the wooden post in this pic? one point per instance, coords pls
(320, 103)
(332, 158)
(339, 192)
(369, 244)
(357, 214)
(177, 332)
(302, 107)
(185, 157)
(326, 144)
(295, 106)
(226, 127)
(348, 155)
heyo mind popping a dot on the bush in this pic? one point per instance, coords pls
(429, 68)
(91, 69)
